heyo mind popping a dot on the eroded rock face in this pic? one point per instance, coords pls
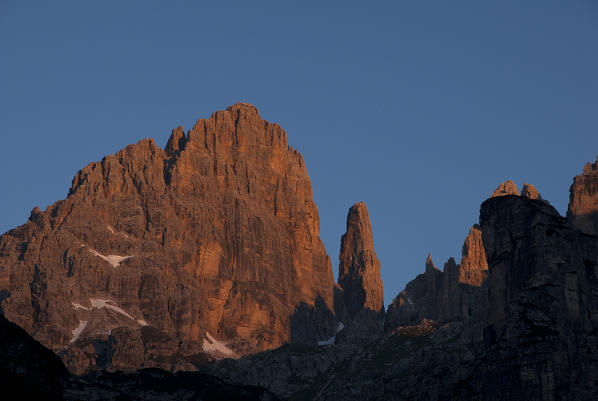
(506, 188)
(359, 268)
(542, 302)
(217, 234)
(474, 267)
(361, 287)
(529, 191)
(583, 200)
(454, 294)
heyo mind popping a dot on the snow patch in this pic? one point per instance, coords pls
(331, 340)
(106, 303)
(110, 228)
(114, 260)
(78, 330)
(103, 303)
(216, 348)
(79, 306)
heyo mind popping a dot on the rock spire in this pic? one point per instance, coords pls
(359, 268)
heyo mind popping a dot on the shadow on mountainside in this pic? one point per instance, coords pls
(310, 323)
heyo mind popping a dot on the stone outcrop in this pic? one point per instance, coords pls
(361, 288)
(161, 257)
(430, 267)
(506, 188)
(473, 268)
(529, 191)
(583, 200)
(359, 268)
(454, 294)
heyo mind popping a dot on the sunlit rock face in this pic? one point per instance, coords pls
(506, 188)
(361, 287)
(216, 234)
(529, 191)
(583, 200)
(359, 269)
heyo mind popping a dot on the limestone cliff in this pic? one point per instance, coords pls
(542, 302)
(359, 268)
(583, 200)
(473, 268)
(361, 287)
(159, 256)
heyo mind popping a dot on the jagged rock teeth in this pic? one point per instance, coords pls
(506, 188)
(454, 294)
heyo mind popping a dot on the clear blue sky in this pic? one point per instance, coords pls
(418, 108)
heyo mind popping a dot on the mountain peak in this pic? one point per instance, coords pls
(506, 188)
(224, 214)
(529, 191)
(430, 264)
(242, 106)
(359, 269)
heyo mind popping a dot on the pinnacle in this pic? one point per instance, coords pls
(506, 188)
(430, 263)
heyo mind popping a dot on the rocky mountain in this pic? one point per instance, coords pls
(206, 256)
(359, 268)
(583, 200)
(170, 257)
(453, 294)
(534, 337)
(459, 291)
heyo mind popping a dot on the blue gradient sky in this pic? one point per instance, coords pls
(417, 108)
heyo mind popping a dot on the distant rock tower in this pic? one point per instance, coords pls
(359, 269)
